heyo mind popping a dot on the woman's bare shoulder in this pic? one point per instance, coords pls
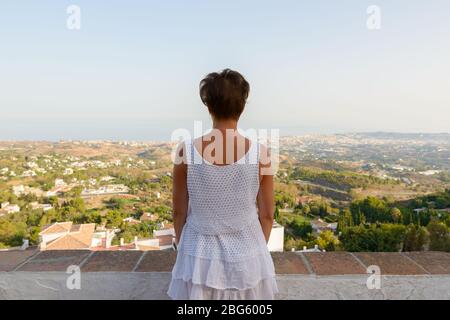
(265, 161)
(180, 154)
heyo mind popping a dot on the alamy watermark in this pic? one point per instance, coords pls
(374, 280)
(374, 19)
(264, 147)
(73, 282)
(73, 21)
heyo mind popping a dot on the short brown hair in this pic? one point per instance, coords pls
(224, 93)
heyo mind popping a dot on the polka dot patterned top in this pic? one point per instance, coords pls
(222, 199)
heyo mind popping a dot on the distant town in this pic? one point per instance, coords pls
(353, 192)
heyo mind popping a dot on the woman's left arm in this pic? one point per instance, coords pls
(179, 195)
(265, 199)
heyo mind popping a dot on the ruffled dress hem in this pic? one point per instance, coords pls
(195, 278)
(187, 290)
(214, 273)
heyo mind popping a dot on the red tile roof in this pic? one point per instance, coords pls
(79, 237)
(57, 227)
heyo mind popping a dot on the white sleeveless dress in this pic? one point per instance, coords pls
(222, 252)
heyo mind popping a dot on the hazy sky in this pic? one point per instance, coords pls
(132, 70)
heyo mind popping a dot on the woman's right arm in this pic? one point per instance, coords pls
(179, 193)
(265, 198)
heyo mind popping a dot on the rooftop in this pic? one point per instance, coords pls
(75, 236)
(145, 274)
(57, 227)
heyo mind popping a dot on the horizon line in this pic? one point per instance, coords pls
(281, 136)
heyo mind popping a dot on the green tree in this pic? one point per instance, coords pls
(447, 221)
(116, 203)
(439, 236)
(396, 215)
(374, 238)
(300, 227)
(53, 201)
(296, 244)
(372, 208)
(441, 202)
(114, 219)
(327, 241)
(12, 234)
(345, 220)
(33, 235)
(306, 209)
(277, 214)
(75, 192)
(416, 238)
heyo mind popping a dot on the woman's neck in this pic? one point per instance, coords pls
(224, 124)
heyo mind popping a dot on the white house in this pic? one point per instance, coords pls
(68, 171)
(147, 244)
(147, 216)
(276, 239)
(108, 189)
(18, 190)
(32, 165)
(41, 170)
(60, 183)
(107, 178)
(46, 206)
(102, 238)
(319, 225)
(9, 208)
(29, 173)
(116, 162)
(166, 236)
(131, 220)
(419, 210)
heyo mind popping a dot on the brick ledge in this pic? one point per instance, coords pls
(295, 263)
